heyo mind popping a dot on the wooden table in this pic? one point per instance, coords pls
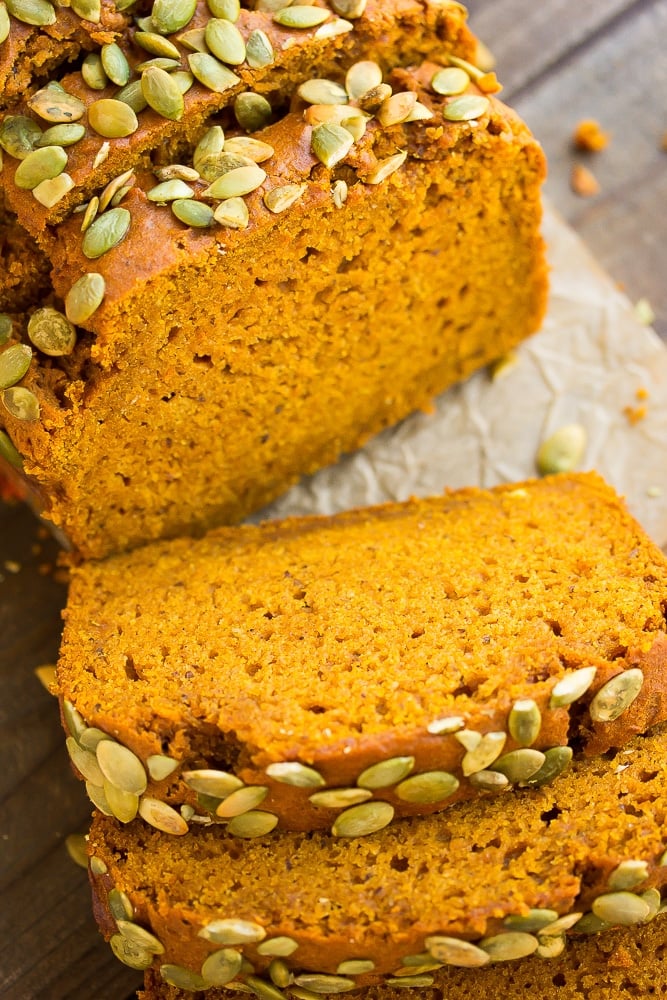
(560, 61)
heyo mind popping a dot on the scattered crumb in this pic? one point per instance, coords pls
(642, 393)
(42, 533)
(36, 548)
(634, 414)
(589, 136)
(583, 181)
(11, 566)
(644, 312)
(484, 57)
(654, 492)
(489, 84)
(45, 569)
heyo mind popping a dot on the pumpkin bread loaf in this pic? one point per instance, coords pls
(490, 881)
(335, 672)
(348, 228)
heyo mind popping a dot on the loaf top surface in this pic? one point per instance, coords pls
(318, 638)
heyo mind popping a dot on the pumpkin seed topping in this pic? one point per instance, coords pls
(255, 823)
(64, 134)
(4, 23)
(111, 118)
(252, 111)
(616, 695)
(489, 781)
(169, 191)
(96, 795)
(349, 8)
(524, 721)
(563, 450)
(623, 908)
(232, 931)
(97, 866)
(374, 98)
(6, 328)
(441, 727)
(14, 363)
(84, 297)
(242, 800)
(162, 816)
(73, 718)
(21, 403)
(385, 168)
(355, 967)
(300, 16)
(88, 10)
(361, 77)
(484, 754)
(509, 946)
(112, 189)
(279, 973)
(330, 144)
(133, 96)
(262, 989)
(91, 737)
(468, 738)
(158, 62)
(115, 64)
(259, 50)
(396, 108)
(362, 820)
(237, 182)
(51, 191)
(339, 192)
(449, 81)
(9, 452)
(332, 29)
(106, 232)
(253, 149)
(519, 765)
(51, 332)
(572, 686)
(293, 773)
(101, 154)
(221, 966)
(465, 108)
(560, 925)
(385, 773)
(178, 172)
(556, 760)
(193, 39)
(176, 975)
(225, 41)
(93, 72)
(219, 784)
(590, 924)
(318, 982)
(229, 9)
(551, 947)
(420, 113)
(653, 899)
(453, 951)
(84, 761)
(232, 213)
(124, 805)
(340, 798)
(140, 936)
(170, 16)
(183, 79)
(211, 73)
(157, 45)
(162, 93)
(318, 91)
(192, 213)
(40, 165)
(427, 788)
(129, 953)
(121, 767)
(19, 136)
(39, 13)
(279, 946)
(532, 921)
(628, 874)
(54, 104)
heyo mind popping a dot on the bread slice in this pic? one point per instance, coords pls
(334, 672)
(492, 880)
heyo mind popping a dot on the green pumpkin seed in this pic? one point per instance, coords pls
(162, 816)
(362, 820)
(452, 951)
(232, 213)
(468, 738)
(653, 900)
(426, 788)
(50, 192)
(98, 798)
(183, 79)
(355, 967)
(72, 717)
(9, 452)
(93, 73)
(221, 967)
(279, 973)
(106, 232)
(218, 784)
(40, 165)
(54, 104)
(19, 136)
(133, 96)
(361, 77)
(330, 144)
(14, 363)
(387, 772)
(229, 9)
(385, 168)
(124, 805)
(169, 191)
(51, 332)
(225, 41)
(489, 781)
(509, 946)
(301, 17)
(115, 64)
(332, 29)
(61, 135)
(320, 91)
(212, 167)
(97, 866)
(340, 798)
(6, 328)
(556, 760)
(113, 187)
(449, 81)
(39, 13)
(158, 62)
(291, 772)
(91, 737)
(572, 686)
(192, 213)
(590, 924)
(170, 16)
(616, 695)
(157, 45)
(129, 953)
(252, 111)
(253, 149)
(4, 23)
(85, 762)
(259, 50)
(252, 824)
(560, 925)
(140, 936)
(396, 108)
(211, 73)
(532, 921)
(236, 183)
(628, 874)
(524, 722)
(349, 8)
(162, 93)
(121, 767)
(441, 727)
(232, 931)
(210, 145)
(242, 801)
(420, 113)
(262, 989)
(194, 39)
(281, 946)
(484, 754)
(177, 172)
(519, 765)
(101, 154)
(84, 297)
(563, 450)
(466, 108)
(111, 118)
(623, 908)
(182, 978)
(410, 982)
(320, 983)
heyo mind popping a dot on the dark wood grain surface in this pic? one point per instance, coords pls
(560, 61)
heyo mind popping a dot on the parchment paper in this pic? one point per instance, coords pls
(591, 361)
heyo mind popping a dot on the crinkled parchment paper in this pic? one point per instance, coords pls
(592, 363)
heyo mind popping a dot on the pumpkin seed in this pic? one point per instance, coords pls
(590, 924)
(628, 874)
(489, 781)
(19, 136)
(121, 766)
(39, 13)
(320, 91)
(62, 135)
(96, 795)
(396, 108)
(237, 182)
(556, 760)
(281, 198)
(259, 50)
(509, 946)
(84, 761)
(351, 119)
(232, 213)
(262, 989)
(252, 824)
(14, 363)
(332, 29)
(229, 9)
(230, 930)
(468, 738)
(653, 900)
(560, 925)
(242, 801)
(426, 788)
(279, 973)
(330, 144)
(387, 772)
(212, 167)
(129, 953)
(93, 73)
(170, 16)
(162, 816)
(484, 754)
(84, 297)
(524, 721)
(465, 108)
(192, 213)
(221, 966)
(420, 113)
(572, 686)
(349, 8)
(355, 967)
(362, 77)
(339, 193)
(449, 81)
(291, 772)
(101, 154)
(550, 947)
(157, 45)
(361, 820)
(177, 172)
(452, 951)
(616, 695)
(300, 16)
(140, 936)
(4, 23)
(252, 111)
(124, 805)
(193, 39)
(133, 96)
(519, 765)
(40, 165)
(111, 118)
(73, 718)
(440, 727)
(115, 64)
(106, 232)
(91, 737)
(374, 98)
(6, 328)
(623, 908)
(219, 784)
(340, 798)
(54, 104)
(50, 192)
(534, 920)
(209, 146)
(183, 79)
(320, 983)
(51, 332)
(410, 981)
(97, 866)
(88, 10)
(162, 93)
(253, 149)
(113, 187)
(563, 450)
(281, 946)
(188, 812)
(225, 41)
(386, 167)
(182, 978)
(9, 452)
(211, 73)
(158, 62)
(169, 191)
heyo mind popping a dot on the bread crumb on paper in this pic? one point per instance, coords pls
(590, 137)
(583, 181)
